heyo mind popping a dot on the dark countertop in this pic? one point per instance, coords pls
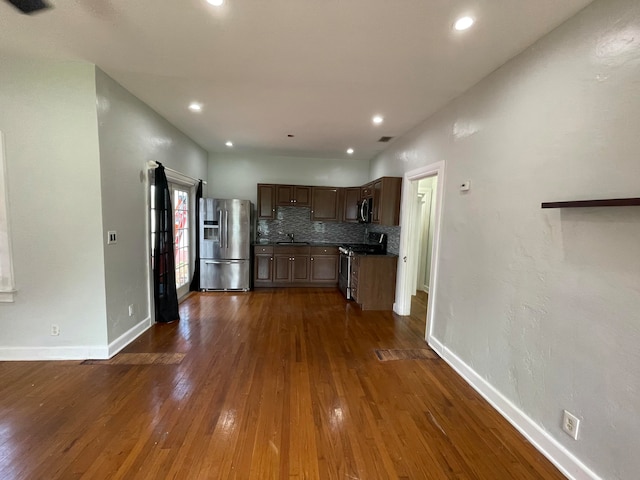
(296, 244)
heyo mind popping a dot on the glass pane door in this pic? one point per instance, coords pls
(181, 232)
(180, 197)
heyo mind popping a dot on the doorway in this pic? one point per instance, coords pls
(183, 200)
(421, 213)
(425, 212)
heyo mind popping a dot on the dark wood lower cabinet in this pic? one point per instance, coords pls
(324, 265)
(373, 281)
(262, 265)
(295, 266)
(263, 268)
(282, 268)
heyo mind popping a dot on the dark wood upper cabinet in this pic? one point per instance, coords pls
(366, 191)
(386, 192)
(266, 201)
(293, 195)
(350, 204)
(377, 207)
(325, 204)
(333, 204)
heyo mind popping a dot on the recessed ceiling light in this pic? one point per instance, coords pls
(463, 23)
(377, 119)
(215, 3)
(195, 107)
(229, 143)
(350, 151)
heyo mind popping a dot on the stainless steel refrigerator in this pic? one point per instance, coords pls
(225, 231)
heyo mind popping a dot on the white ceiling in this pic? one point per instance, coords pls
(317, 69)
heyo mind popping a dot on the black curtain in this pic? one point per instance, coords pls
(195, 281)
(164, 273)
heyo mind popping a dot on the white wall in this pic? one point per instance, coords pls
(47, 114)
(235, 175)
(131, 134)
(543, 304)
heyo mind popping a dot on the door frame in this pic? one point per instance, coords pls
(409, 244)
(424, 202)
(191, 185)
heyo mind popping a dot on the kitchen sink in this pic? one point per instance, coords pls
(293, 243)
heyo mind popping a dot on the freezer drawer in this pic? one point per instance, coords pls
(224, 274)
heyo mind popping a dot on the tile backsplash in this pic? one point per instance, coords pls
(393, 237)
(297, 220)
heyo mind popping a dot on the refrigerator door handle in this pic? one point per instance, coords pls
(220, 228)
(223, 262)
(226, 229)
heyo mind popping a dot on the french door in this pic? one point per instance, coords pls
(181, 196)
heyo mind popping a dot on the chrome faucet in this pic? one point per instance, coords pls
(290, 235)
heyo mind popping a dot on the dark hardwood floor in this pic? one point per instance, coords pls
(274, 384)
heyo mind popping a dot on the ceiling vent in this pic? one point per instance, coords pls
(385, 139)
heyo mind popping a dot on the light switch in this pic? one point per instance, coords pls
(112, 237)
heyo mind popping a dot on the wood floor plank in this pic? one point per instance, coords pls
(274, 384)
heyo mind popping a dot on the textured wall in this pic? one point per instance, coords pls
(48, 117)
(235, 175)
(131, 134)
(544, 304)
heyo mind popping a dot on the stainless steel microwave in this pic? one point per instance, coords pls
(365, 210)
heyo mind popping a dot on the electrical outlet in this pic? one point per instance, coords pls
(570, 424)
(55, 330)
(131, 310)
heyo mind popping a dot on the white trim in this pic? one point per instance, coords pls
(436, 345)
(542, 440)
(129, 336)
(7, 285)
(7, 296)
(53, 353)
(405, 278)
(96, 352)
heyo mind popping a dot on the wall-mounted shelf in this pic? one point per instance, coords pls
(612, 202)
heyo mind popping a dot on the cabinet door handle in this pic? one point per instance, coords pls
(271, 259)
(312, 259)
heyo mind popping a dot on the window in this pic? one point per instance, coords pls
(181, 233)
(6, 268)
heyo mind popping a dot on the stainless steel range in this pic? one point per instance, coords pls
(376, 245)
